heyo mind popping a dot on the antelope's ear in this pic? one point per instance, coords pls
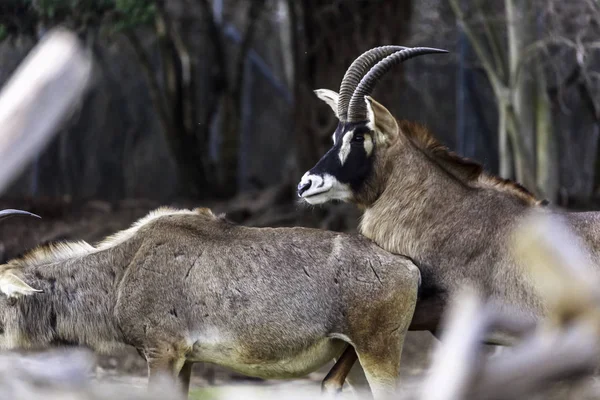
(330, 97)
(381, 121)
(13, 286)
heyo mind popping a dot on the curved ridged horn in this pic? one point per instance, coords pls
(357, 110)
(355, 72)
(10, 212)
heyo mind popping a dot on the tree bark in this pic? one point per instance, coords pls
(169, 101)
(232, 108)
(515, 93)
(505, 151)
(521, 33)
(547, 151)
(307, 151)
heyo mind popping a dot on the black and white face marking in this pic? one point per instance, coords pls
(343, 169)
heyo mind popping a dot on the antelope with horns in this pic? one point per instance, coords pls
(421, 200)
(186, 286)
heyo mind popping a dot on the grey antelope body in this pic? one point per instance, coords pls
(421, 200)
(186, 286)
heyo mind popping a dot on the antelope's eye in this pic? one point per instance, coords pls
(358, 137)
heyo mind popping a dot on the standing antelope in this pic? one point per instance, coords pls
(186, 286)
(424, 201)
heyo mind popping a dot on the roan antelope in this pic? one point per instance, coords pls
(186, 286)
(421, 200)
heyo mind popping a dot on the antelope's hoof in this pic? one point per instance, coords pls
(331, 389)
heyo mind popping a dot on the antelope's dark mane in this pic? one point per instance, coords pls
(466, 170)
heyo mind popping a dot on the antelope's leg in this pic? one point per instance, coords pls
(357, 381)
(185, 376)
(379, 345)
(334, 380)
(165, 369)
(380, 360)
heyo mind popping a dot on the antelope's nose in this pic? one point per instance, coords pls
(304, 186)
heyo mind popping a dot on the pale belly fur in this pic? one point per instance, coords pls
(225, 352)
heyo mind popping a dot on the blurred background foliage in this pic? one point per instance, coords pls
(206, 100)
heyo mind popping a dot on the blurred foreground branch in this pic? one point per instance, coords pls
(563, 347)
(65, 374)
(38, 98)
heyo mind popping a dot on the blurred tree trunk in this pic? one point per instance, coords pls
(504, 148)
(527, 143)
(231, 107)
(302, 15)
(228, 94)
(548, 178)
(186, 132)
(174, 102)
(521, 28)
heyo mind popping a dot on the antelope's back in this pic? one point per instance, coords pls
(211, 245)
(203, 270)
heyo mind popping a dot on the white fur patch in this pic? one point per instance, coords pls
(381, 139)
(345, 148)
(123, 236)
(13, 286)
(210, 335)
(370, 115)
(53, 252)
(341, 337)
(336, 250)
(330, 97)
(368, 145)
(324, 188)
(220, 346)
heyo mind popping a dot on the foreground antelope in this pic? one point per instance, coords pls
(186, 286)
(421, 200)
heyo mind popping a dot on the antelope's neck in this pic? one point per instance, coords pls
(421, 208)
(456, 233)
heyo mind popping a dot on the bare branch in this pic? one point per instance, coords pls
(521, 149)
(220, 77)
(166, 56)
(456, 357)
(185, 75)
(537, 362)
(498, 53)
(155, 92)
(531, 51)
(254, 12)
(492, 73)
(562, 347)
